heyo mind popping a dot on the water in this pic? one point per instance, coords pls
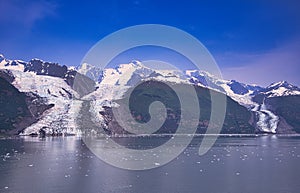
(235, 165)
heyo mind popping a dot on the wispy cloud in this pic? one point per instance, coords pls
(281, 63)
(25, 13)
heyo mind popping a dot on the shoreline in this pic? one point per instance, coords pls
(153, 135)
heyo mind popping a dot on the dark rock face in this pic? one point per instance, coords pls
(7, 75)
(46, 68)
(284, 128)
(259, 98)
(254, 88)
(238, 120)
(18, 110)
(36, 104)
(197, 78)
(238, 88)
(288, 109)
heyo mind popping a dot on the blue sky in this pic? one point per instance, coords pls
(252, 41)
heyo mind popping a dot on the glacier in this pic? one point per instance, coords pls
(61, 118)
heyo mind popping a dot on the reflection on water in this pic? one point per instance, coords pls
(234, 164)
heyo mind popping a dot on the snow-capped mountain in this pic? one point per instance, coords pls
(134, 72)
(83, 84)
(126, 75)
(114, 82)
(281, 88)
(240, 92)
(222, 85)
(43, 78)
(64, 88)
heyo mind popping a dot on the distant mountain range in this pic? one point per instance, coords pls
(47, 97)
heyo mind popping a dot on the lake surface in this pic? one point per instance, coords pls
(259, 164)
